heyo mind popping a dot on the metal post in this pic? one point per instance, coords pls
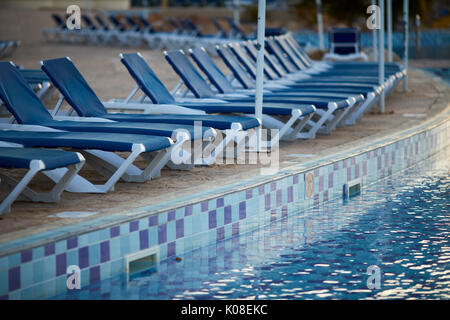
(389, 27)
(405, 42)
(320, 24)
(418, 23)
(236, 13)
(374, 39)
(381, 77)
(260, 65)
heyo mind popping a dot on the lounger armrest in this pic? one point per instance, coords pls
(25, 127)
(150, 108)
(83, 119)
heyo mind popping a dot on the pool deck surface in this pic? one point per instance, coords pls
(425, 99)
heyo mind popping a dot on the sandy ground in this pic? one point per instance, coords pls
(109, 79)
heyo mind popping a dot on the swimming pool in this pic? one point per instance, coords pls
(399, 226)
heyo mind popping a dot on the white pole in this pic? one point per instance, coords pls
(320, 24)
(374, 38)
(381, 77)
(236, 13)
(406, 42)
(260, 65)
(389, 26)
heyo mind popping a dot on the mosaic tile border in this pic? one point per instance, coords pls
(40, 272)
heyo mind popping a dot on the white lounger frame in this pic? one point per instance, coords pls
(19, 190)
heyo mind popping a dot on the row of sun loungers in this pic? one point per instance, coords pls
(208, 109)
(8, 47)
(138, 31)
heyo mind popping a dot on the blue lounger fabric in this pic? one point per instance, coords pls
(82, 98)
(85, 140)
(26, 107)
(158, 93)
(22, 157)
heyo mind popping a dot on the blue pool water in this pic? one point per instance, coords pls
(400, 225)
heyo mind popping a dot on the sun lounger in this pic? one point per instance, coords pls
(156, 92)
(35, 160)
(345, 45)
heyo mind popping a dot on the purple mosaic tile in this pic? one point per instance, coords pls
(267, 201)
(179, 228)
(134, 226)
(336, 166)
(356, 171)
(220, 234)
(393, 158)
(26, 255)
(4, 297)
(378, 163)
(14, 278)
(316, 172)
(273, 186)
(94, 274)
(61, 264)
(83, 257)
(290, 194)
(344, 163)
(330, 180)
(162, 233)
(72, 243)
(235, 229)
(114, 232)
(295, 179)
(284, 211)
(261, 190)
(143, 239)
(316, 199)
(248, 194)
(227, 215)
(204, 206)
(104, 251)
(273, 215)
(325, 196)
(153, 221)
(171, 249)
(188, 211)
(353, 161)
(242, 210)
(171, 215)
(220, 203)
(320, 183)
(49, 249)
(349, 174)
(279, 198)
(212, 219)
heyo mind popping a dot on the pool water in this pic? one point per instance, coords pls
(399, 226)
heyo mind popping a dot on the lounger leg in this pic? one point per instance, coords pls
(5, 206)
(366, 106)
(316, 125)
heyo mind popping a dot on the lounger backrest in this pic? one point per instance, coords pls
(146, 79)
(250, 66)
(344, 40)
(88, 22)
(290, 54)
(299, 50)
(19, 98)
(59, 21)
(253, 54)
(101, 22)
(233, 64)
(212, 71)
(274, 49)
(190, 76)
(290, 50)
(77, 92)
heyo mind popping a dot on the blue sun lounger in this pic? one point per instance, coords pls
(20, 100)
(35, 160)
(155, 91)
(29, 110)
(80, 96)
(246, 77)
(330, 109)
